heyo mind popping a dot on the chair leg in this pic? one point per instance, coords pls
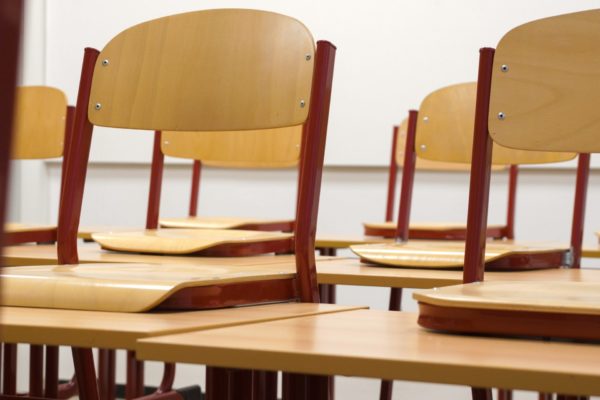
(217, 383)
(166, 384)
(481, 394)
(387, 387)
(264, 385)
(135, 377)
(107, 374)
(9, 380)
(36, 370)
(306, 387)
(505, 394)
(51, 377)
(83, 360)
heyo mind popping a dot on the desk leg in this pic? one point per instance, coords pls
(83, 360)
(306, 387)
(505, 394)
(385, 393)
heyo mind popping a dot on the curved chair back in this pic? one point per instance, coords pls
(213, 70)
(40, 123)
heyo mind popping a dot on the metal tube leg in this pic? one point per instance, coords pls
(385, 392)
(106, 374)
(51, 389)
(135, 377)
(83, 359)
(36, 370)
(9, 380)
(481, 394)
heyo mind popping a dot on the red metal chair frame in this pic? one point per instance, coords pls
(522, 323)
(506, 231)
(303, 287)
(156, 187)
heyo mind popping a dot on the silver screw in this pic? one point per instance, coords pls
(504, 68)
(425, 119)
(423, 147)
(302, 103)
(166, 142)
(98, 106)
(501, 115)
(307, 57)
(104, 62)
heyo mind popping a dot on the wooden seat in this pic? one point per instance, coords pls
(273, 148)
(437, 254)
(442, 133)
(42, 124)
(194, 241)
(431, 230)
(126, 288)
(540, 74)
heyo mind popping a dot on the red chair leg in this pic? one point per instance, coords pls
(9, 379)
(106, 374)
(51, 378)
(36, 370)
(83, 360)
(134, 386)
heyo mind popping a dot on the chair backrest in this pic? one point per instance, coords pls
(537, 92)
(445, 130)
(40, 123)
(271, 148)
(213, 70)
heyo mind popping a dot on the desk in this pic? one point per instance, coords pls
(388, 345)
(92, 253)
(115, 330)
(352, 272)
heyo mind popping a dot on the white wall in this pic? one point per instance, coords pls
(390, 54)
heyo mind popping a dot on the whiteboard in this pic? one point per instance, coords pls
(390, 55)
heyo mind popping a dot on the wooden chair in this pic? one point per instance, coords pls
(213, 70)
(536, 91)
(435, 230)
(274, 148)
(42, 125)
(442, 133)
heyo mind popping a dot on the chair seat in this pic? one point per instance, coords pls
(450, 254)
(120, 287)
(227, 223)
(194, 241)
(534, 308)
(430, 230)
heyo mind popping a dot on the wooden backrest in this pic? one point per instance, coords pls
(235, 70)
(272, 148)
(546, 85)
(423, 163)
(445, 130)
(40, 120)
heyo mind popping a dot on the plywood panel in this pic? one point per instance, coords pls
(550, 86)
(249, 70)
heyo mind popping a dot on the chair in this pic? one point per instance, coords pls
(209, 70)
(536, 91)
(442, 134)
(42, 124)
(275, 148)
(435, 230)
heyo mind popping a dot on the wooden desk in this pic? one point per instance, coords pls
(121, 330)
(352, 272)
(389, 345)
(92, 253)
